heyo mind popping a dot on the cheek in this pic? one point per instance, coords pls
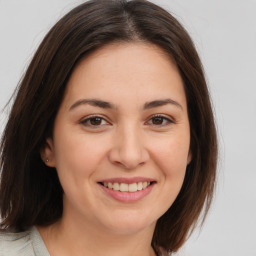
(171, 156)
(77, 156)
(171, 161)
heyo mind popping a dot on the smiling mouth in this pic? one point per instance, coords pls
(125, 187)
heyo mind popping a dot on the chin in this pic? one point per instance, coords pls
(129, 224)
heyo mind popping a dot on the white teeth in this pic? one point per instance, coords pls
(124, 187)
(139, 187)
(116, 186)
(144, 184)
(133, 187)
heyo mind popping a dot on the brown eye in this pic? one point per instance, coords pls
(157, 120)
(95, 121)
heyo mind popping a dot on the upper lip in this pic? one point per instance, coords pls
(127, 180)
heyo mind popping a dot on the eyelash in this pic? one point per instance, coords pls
(85, 122)
(168, 121)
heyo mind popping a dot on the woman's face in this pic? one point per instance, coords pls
(121, 138)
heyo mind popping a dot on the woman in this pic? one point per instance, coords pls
(110, 147)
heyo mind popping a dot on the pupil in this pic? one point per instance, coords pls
(96, 121)
(157, 120)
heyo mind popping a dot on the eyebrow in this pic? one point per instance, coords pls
(159, 103)
(93, 102)
(108, 105)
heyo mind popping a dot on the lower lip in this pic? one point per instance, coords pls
(128, 197)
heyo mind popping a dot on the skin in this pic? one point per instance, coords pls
(126, 140)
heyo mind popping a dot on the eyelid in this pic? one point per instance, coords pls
(169, 119)
(83, 121)
(87, 118)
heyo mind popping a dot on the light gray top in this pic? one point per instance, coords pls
(27, 243)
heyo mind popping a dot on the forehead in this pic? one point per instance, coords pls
(126, 71)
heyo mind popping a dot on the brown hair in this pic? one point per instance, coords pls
(30, 192)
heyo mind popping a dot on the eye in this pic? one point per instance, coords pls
(159, 120)
(94, 121)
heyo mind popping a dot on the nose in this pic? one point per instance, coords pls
(128, 150)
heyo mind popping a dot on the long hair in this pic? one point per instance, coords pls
(30, 192)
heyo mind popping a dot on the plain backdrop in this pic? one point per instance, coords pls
(224, 32)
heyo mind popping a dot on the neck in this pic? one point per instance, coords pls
(73, 236)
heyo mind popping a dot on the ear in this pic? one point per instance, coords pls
(189, 157)
(47, 153)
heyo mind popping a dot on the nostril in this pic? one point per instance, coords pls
(119, 163)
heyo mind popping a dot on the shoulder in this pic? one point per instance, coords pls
(15, 243)
(27, 243)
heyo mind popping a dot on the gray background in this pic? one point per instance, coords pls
(224, 32)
